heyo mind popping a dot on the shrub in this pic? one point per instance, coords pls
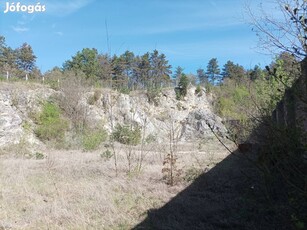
(50, 124)
(127, 135)
(150, 139)
(106, 155)
(39, 156)
(92, 139)
(192, 173)
(93, 99)
(182, 89)
(125, 90)
(153, 95)
(198, 90)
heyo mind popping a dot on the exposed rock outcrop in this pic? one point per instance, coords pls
(189, 118)
(18, 104)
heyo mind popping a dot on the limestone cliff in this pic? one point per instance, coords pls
(190, 117)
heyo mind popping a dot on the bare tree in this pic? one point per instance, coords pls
(281, 25)
(73, 88)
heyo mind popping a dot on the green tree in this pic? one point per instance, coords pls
(127, 135)
(182, 89)
(233, 71)
(127, 60)
(160, 69)
(288, 63)
(120, 80)
(25, 59)
(213, 71)
(202, 77)
(255, 73)
(178, 73)
(2, 48)
(105, 70)
(141, 71)
(7, 58)
(85, 61)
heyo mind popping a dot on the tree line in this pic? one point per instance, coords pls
(129, 71)
(19, 62)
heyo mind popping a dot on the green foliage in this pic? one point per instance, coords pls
(53, 78)
(213, 71)
(50, 124)
(191, 174)
(233, 98)
(269, 89)
(106, 155)
(150, 139)
(16, 62)
(283, 168)
(178, 73)
(233, 71)
(182, 89)
(93, 138)
(198, 90)
(85, 61)
(153, 95)
(125, 90)
(39, 156)
(208, 87)
(300, 225)
(25, 58)
(171, 172)
(127, 135)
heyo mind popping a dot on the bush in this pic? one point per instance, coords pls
(198, 90)
(92, 139)
(153, 95)
(192, 174)
(125, 90)
(150, 139)
(50, 124)
(127, 135)
(106, 155)
(182, 89)
(39, 156)
(93, 99)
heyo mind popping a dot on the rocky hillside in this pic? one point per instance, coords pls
(20, 103)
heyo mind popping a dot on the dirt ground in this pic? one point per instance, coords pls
(55, 189)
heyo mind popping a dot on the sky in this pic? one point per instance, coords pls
(188, 32)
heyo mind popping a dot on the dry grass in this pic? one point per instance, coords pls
(78, 190)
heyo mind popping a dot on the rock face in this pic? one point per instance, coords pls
(10, 123)
(201, 123)
(187, 119)
(17, 104)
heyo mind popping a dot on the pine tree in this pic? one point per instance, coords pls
(25, 59)
(213, 71)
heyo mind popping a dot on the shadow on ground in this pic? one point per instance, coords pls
(229, 196)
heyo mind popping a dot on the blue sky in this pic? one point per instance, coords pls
(189, 33)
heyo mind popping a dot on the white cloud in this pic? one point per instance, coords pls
(20, 29)
(66, 7)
